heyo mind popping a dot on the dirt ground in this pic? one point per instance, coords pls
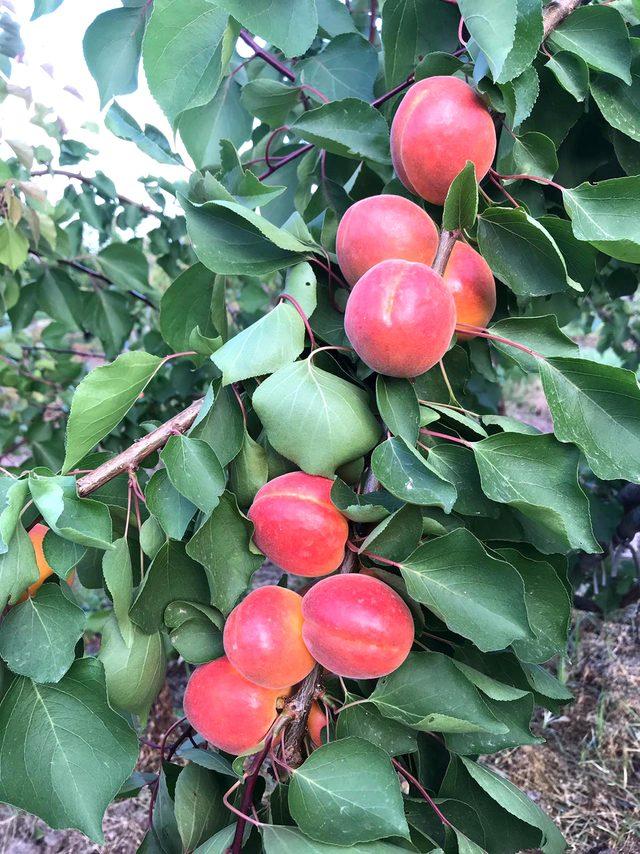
(586, 775)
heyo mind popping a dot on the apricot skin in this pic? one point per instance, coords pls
(297, 526)
(440, 125)
(471, 282)
(316, 723)
(263, 638)
(400, 318)
(230, 712)
(356, 626)
(37, 535)
(383, 227)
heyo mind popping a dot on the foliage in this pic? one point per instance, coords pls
(212, 319)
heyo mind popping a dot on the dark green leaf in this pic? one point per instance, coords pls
(598, 35)
(571, 72)
(202, 129)
(410, 477)
(195, 471)
(367, 722)
(461, 204)
(411, 29)
(150, 141)
(541, 334)
(81, 520)
(346, 68)
(13, 494)
(349, 128)
(274, 23)
(172, 510)
(200, 812)
(398, 407)
(112, 51)
(607, 214)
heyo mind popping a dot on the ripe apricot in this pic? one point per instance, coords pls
(297, 526)
(400, 317)
(356, 626)
(470, 280)
(37, 535)
(440, 125)
(263, 638)
(230, 712)
(316, 723)
(383, 227)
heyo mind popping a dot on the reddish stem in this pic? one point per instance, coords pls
(294, 302)
(373, 555)
(247, 797)
(502, 189)
(446, 436)
(373, 15)
(269, 58)
(315, 92)
(294, 154)
(537, 178)
(411, 779)
(327, 268)
(234, 386)
(392, 92)
(272, 136)
(482, 332)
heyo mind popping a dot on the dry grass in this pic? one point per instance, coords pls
(586, 776)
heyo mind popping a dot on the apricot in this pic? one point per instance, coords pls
(37, 535)
(440, 125)
(263, 638)
(400, 317)
(297, 526)
(226, 709)
(316, 723)
(470, 280)
(383, 227)
(356, 626)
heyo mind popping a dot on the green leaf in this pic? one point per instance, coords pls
(596, 407)
(526, 41)
(44, 7)
(272, 20)
(18, 567)
(13, 494)
(187, 305)
(269, 100)
(134, 665)
(329, 803)
(102, 400)
(534, 154)
(172, 575)
(249, 471)
(222, 546)
(218, 844)
(112, 47)
(38, 636)
(548, 607)
(429, 693)
(186, 49)
(438, 64)
(81, 520)
(314, 418)
(232, 240)
(346, 68)
(579, 257)
(521, 95)
(476, 595)
(197, 641)
(334, 18)
(83, 765)
(515, 715)
(118, 579)
(461, 204)
(541, 334)
(108, 316)
(411, 29)
(397, 535)
(349, 128)
(598, 35)
(202, 129)
(410, 477)
(150, 141)
(367, 722)
(280, 839)
(200, 812)
(619, 103)
(14, 246)
(195, 471)
(571, 72)
(521, 252)
(220, 424)
(538, 477)
(363, 507)
(607, 214)
(456, 464)
(398, 407)
(171, 509)
(493, 26)
(125, 265)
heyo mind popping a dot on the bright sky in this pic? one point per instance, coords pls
(55, 41)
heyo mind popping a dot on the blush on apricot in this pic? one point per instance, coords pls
(471, 282)
(383, 227)
(226, 709)
(263, 638)
(316, 724)
(297, 526)
(440, 125)
(400, 318)
(356, 626)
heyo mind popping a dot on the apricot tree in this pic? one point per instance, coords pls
(391, 210)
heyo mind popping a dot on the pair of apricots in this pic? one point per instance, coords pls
(401, 314)
(353, 625)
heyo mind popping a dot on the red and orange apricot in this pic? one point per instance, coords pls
(37, 535)
(440, 125)
(471, 282)
(317, 724)
(297, 526)
(263, 638)
(382, 227)
(230, 712)
(400, 318)
(356, 626)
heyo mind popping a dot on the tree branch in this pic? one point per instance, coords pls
(298, 709)
(445, 248)
(131, 458)
(269, 58)
(76, 176)
(555, 13)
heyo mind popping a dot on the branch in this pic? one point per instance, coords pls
(269, 58)
(131, 458)
(247, 796)
(298, 710)
(555, 13)
(445, 248)
(76, 176)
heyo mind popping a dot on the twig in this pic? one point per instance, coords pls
(247, 797)
(298, 710)
(445, 248)
(269, 58)
(411, 779)
(555, 12)
(76, 176)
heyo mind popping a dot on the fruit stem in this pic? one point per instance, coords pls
(411, 779)
(437, 435)
(445, 248)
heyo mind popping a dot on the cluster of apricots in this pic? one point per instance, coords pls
(401, 314)
(353, 625)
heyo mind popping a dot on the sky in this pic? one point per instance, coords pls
(55, 41)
